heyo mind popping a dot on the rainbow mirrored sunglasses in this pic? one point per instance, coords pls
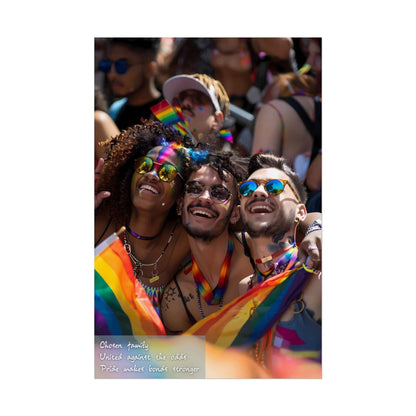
(166, 171)
(273, 187)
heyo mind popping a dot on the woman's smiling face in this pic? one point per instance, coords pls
(148, 191)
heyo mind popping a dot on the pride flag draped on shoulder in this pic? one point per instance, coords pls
(249, 317)
(121, 306)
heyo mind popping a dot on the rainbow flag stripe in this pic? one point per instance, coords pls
(165, 113)
(122, 306)
(171, 116)
(249, 317)
(226, 135)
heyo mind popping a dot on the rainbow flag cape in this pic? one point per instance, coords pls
(122, 306)
(171, 116)
(249, 317)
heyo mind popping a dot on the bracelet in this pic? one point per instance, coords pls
(316, 225)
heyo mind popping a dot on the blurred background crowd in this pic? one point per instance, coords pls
(273, 87)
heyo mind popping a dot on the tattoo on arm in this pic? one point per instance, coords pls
(168, 297)
(189, 297)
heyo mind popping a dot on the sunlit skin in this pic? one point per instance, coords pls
(201, 214)
(264, 213)
(147, 190)
(271, 219)
(199, 113)
(207, 224)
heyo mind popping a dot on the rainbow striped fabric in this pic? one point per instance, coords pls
(171, 116)
(249, 317)
(226, 135)
(122, 306)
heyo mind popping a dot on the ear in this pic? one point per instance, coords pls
(301, 212)
(150, 69)
(179, 205)
(219, 120)
(235, 216)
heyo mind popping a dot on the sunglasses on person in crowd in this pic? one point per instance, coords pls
(273, 187)
(166, 171)
(217, 193)
(121, 66)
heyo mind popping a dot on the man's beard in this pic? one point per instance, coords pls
(270, 229)
(208, 235)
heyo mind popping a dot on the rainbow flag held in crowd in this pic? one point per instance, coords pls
(249, 317)
(226, 135)
(122, 306)
(171, 116)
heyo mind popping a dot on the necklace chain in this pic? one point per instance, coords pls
(138, 264)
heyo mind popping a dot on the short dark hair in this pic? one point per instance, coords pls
(268, 160)
(147, 46)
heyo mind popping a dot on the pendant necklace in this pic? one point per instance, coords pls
(138, 264)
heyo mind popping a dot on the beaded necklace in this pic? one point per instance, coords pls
(204, 289)
(155, 294)
(198, 296)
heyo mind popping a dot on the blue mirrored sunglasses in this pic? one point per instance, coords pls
(273, 187)
(120, 66)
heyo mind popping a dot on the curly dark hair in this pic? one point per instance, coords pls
(118, 169)
(269, 160)
(220, 161)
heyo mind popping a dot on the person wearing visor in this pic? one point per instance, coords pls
(131, 68)
(204, 104)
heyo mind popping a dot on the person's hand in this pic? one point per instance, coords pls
(103, 194)
(311, 247)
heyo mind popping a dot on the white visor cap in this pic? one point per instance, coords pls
(175, 85)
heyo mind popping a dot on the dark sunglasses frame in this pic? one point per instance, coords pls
(268, 187)
(120, 66)
(211, 188)
(151, 166)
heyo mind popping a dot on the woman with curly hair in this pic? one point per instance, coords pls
(144, 173)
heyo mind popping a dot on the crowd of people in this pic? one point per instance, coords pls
(226, 199)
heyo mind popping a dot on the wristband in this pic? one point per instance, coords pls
(316, 225)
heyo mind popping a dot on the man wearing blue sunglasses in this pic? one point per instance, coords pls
(130, 68)
(272, 205)
(208, 207)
